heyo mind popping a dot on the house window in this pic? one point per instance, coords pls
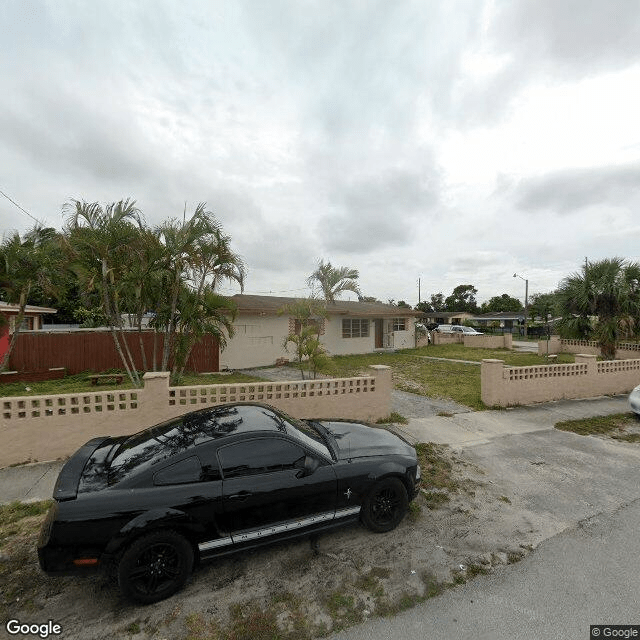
(355, 328)
(399, 324)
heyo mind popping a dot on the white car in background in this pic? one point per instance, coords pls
(634, 400)
(456, 328)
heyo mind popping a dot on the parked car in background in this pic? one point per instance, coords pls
(217, 481)
(456, 328)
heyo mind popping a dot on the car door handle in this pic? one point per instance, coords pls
(243, 495)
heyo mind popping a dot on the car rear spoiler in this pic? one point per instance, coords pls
(66, 487)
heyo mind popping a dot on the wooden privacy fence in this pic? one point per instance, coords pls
(87, 349)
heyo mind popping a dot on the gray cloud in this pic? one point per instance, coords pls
(375, 212)
(572, 35)
(569, 191)
(542, 40)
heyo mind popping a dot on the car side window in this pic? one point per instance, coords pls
(264, 455)
(187, 470)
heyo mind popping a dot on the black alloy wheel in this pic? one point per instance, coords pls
(385, 506)
(155, 566)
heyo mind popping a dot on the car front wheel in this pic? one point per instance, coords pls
(155, 566)
(385, 505)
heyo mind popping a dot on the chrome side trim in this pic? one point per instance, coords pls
(276, 529)
(280, 528)
(350, 511)
(212, 544)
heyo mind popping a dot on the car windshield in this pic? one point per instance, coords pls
(306, 434)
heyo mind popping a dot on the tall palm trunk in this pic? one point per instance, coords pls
(110, 314)
(171, 325)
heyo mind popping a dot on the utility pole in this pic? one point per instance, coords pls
(526, 301)
(419, 300)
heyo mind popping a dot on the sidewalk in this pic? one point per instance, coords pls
(35, 481)
(479, 427)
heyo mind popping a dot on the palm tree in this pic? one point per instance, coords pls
(25, 262)
(602, 302)
(334, 280)
(101, 241)
(201, 313)
(198, 255)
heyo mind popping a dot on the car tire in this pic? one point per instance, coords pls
(385, 505)
(155, 566)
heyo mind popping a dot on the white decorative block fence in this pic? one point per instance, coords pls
(53, 426)
(507, 386)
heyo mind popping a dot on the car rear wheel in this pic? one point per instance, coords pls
(155, 566)
(385, 505)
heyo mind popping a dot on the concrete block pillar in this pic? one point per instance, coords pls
(384, 386)
(491, 382)
(154, 397)
(508, 340)
(551, 346)
(590, 360)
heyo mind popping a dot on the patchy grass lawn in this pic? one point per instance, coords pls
(431, 378)
(455, 381)
(21, 580)
(80, 383)
(619, 426)
(511, 358)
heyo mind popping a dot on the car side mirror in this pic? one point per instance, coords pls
(310, 465)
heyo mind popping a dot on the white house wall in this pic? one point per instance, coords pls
(258, 340)
(335, 344)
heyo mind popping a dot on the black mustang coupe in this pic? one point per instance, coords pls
(214, 482)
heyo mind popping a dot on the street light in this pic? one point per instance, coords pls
(526, 301)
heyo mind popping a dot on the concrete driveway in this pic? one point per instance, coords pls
(578, 496)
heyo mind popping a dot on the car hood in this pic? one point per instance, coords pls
(357, 440)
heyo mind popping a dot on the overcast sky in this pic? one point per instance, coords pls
(453, 141)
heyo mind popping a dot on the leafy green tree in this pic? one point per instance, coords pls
(503, 302)
(334, 280)
(403, 305)
(601, 302)
(463, 298)
(368, 299)
(433, 305)
(543, 305)
(26, 262)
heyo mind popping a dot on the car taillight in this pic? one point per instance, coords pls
(85, 562)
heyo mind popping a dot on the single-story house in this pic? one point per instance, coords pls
(350, 327)
(32, 321)
(447, 317)
(507, 320)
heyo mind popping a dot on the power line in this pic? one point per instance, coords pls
(266, 292)
(19, 207)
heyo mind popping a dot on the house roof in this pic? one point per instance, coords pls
(6, 307)
(273, 304)
(446, 314)
(500, 315)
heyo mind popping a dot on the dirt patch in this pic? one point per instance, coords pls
(459, 527)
